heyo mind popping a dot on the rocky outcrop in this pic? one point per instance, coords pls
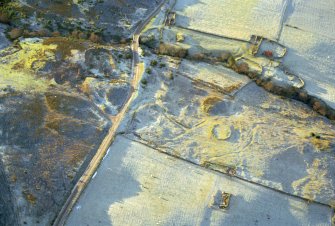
(172, 50)
(260, 59)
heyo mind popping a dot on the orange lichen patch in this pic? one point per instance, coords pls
(13, 178)
(209, 102)
(30, 197)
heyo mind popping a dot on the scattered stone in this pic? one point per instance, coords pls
(268, 53)
(43, 33)
(15, 33)
(242, 68)
(303, 96)
(4, 18)
(320, 107)
(198, 57)
(55, 34)
(172, 50)
(180, 37)
(94, 38)
(224, 56)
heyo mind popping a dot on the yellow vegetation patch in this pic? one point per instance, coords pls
(315, 182)
(320, 143)
(85, 87)
(255, 137)
(17, 69)
(311, 135)
(221, 132)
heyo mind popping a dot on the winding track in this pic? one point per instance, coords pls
(106, 143)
